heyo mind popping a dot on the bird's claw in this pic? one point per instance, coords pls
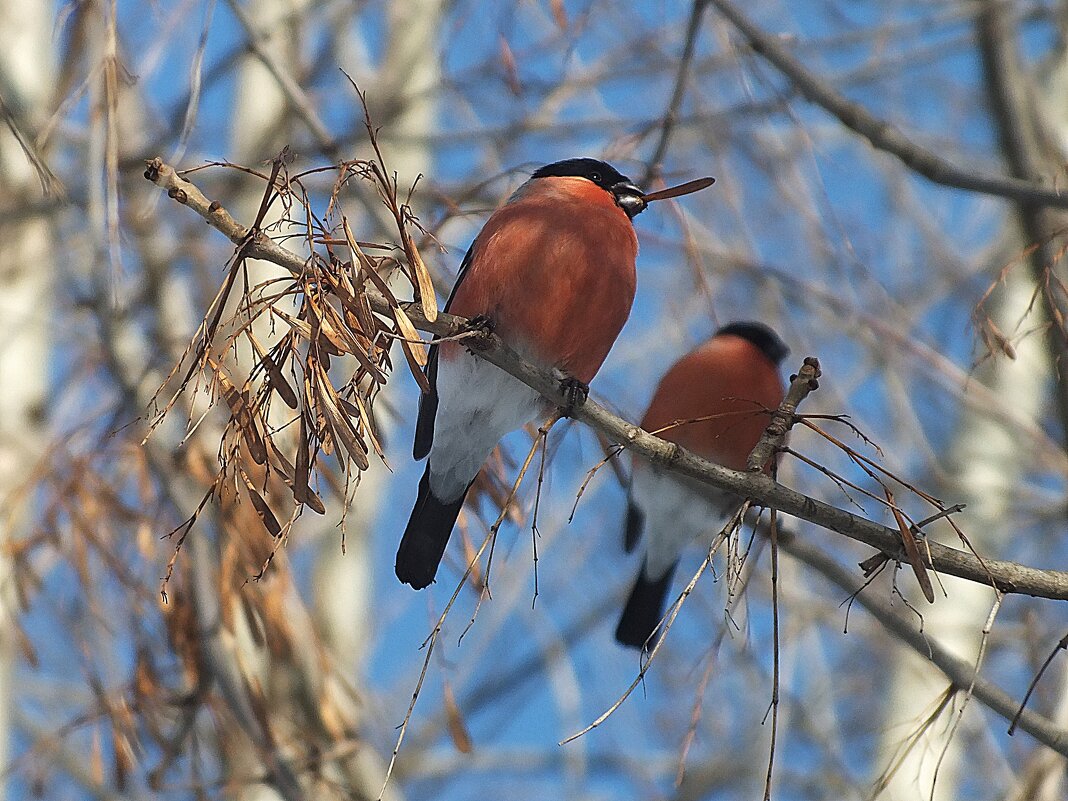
(575, 394)
(480, 324)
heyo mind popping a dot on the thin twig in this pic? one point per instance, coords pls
(774, 651)
(294, 94)
(671, 114)
(979, 657)
(783, 418)
(1061, 646)
(1028, 149)
(660, 633)
(431, 641)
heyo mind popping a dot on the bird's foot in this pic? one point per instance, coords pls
(480, 324)
(575, 394)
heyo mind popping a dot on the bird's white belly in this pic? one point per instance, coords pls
(478, 403)
(675, 515)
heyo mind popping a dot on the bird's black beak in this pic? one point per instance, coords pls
(629, 198)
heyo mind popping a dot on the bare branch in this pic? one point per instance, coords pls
(880, 133)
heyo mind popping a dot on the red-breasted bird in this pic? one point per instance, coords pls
(552, 273)
(734, 376)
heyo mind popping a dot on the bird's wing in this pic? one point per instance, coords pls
(428, 401)
(632, 528)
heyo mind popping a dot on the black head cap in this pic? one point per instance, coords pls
(766, 341)
(628, 196)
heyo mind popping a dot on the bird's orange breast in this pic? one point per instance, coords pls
(554, 270)
(727, 377)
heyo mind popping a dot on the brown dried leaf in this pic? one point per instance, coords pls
(368, 270)
(414, 354)
(368, 425)
(326, 436)
(301, 327)
(285, 467)
(242, 414)
(342, 280)
(339, 344)
(411, 338)
(301, 490)
(912, 550)
(362, 320)
(417, 373)
(996, 340)
(327, 403)
(511, 71)
(261, 708)
(251, 611)
(559, 14)
(146, 539)
(326, 339)
(96, 759)
(873, 563)
(326, 344)
(356, 252)
(123, 758)
(29, 653)
(428, 298)
(356, 324)
(270, 522)
(146, 683)
(275, 378)
(333, 322)
(457, 728)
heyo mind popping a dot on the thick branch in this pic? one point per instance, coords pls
(881, 134)
(1008, 576)
(782, 419)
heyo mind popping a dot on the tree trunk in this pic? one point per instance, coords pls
(26, 272)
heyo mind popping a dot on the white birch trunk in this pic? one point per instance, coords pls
(26, 270)
(986, 463)
(258, 132)
(1043, 778)
(407, 85)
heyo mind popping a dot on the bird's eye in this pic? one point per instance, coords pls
(596, 177)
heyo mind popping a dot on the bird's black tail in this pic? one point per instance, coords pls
(429, 528)
(644, 608)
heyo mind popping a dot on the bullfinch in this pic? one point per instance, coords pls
(731, 379)
(552, 273)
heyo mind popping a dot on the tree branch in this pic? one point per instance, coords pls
(881, 134)
(782, 419)
(1009, 577)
